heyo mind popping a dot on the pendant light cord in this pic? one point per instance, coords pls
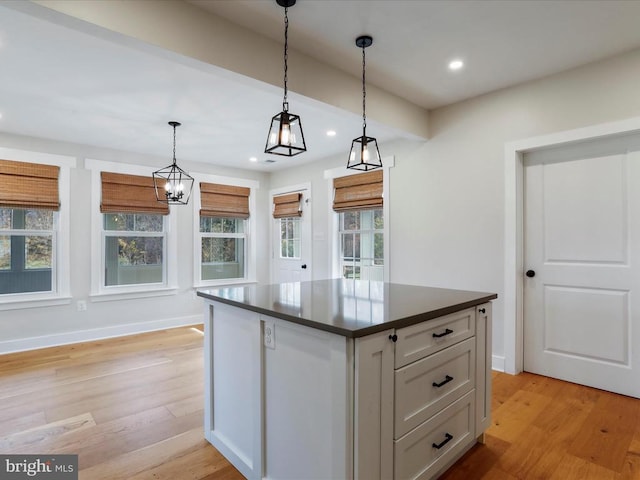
(285, 103)
(174, 144)
(364, 95)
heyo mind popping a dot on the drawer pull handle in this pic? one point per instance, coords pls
(446, 380)
(448, 438)
(445, 333)
(481, 310)
(393, 338)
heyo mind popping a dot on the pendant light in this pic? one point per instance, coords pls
(173, 185)
(285, 134)
(364, 153)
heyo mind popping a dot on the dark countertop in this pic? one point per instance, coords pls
(352, 308)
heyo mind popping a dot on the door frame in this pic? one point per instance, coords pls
(513, 297)
(280, 191)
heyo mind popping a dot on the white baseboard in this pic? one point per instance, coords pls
(497, 363)
(33, 343)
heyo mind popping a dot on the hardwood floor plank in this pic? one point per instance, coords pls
(146, 458)
(578, 468)
(479, 460)
(19, 424)
(605, 437)
(38, 437)
(514, 416)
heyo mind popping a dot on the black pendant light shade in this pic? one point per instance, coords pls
(172, 184)
(364, 154)
(285, 134)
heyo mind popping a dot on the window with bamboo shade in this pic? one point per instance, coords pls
(358, 192)
(224, 210)
(29, 202)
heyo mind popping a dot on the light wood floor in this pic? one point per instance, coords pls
(131, 408)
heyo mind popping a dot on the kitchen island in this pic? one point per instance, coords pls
(335, 379)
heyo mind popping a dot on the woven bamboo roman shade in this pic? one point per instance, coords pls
(286, 206)
(29, 185)
(224, 201)
(123, 193)
(358, 192)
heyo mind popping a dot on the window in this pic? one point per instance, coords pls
(223, 232)
(362, 244)
(134, 233)
(358, 201)
(290, 237)
(223, 243)
(134, 246)
(287, 209)
(27, 246)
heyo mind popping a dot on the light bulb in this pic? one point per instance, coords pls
(365, 154)
(167, 186)
(180, 187)
(285, 135)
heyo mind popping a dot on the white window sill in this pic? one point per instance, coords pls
(30, 301)
(128, 295)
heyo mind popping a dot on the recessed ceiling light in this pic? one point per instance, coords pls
(253, 159)
(456, 64)
(331, 133)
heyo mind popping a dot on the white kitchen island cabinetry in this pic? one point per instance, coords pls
(344, 379)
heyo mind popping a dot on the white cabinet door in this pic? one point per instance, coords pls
(582, 240)
(373, 427)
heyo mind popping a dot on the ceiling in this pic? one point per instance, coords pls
(66, 84)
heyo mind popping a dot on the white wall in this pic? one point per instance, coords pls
(447, 195)
(35, 327)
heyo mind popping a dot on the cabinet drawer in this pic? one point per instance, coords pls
(418, 341)
(428, 385)
(416, 455)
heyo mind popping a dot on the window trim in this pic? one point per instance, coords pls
(61, 294)
(334, 217)
(249, 235)
(101, 292)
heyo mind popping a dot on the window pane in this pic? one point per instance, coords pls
(5, 252)
(131, 222)
(350, 220)
(38, 219)
(221, 225)
(5, 218)
(290, 238)
(378, 220)
(133, 260)
(222, 258)
(26, 261)
(38, 252)
(148, 223)
(378, 249)
(362, 244)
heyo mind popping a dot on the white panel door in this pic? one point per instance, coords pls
(582, 247)
(291, 256)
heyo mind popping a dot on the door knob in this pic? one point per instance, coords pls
(530, 273)
(304, 266)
